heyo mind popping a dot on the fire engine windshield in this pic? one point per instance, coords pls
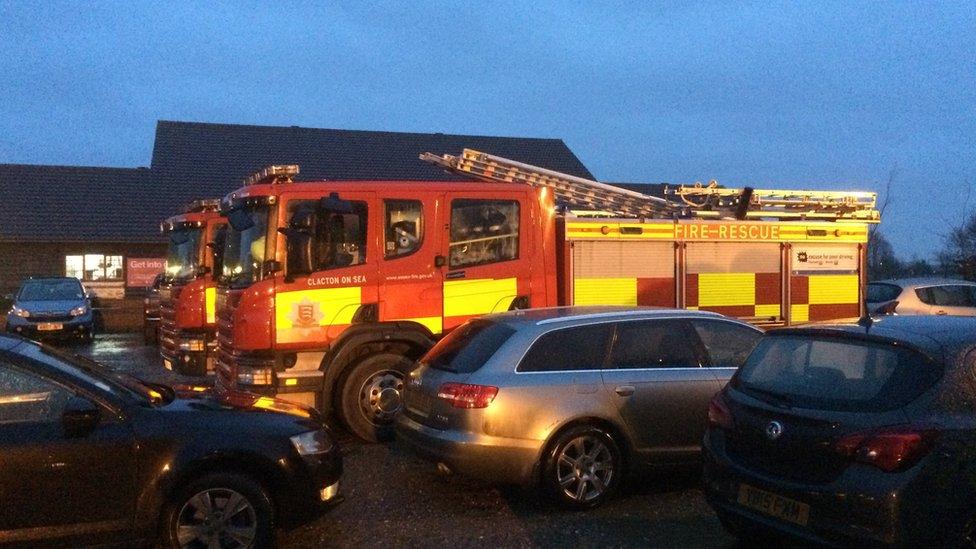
(244, 247)
(183, 254)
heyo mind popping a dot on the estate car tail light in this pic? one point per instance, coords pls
(718, 412)
(889, 449)
(466, 395)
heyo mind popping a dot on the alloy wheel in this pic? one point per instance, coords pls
(381, 396)
(217, 518)
(584, 468)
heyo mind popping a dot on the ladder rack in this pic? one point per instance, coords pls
(574, 191)
(782, 203)
(696, 201)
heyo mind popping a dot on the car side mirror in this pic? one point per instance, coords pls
(80, 416)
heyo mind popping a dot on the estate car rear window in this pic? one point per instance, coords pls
(831, 373)
(468, 347)
(577, 348)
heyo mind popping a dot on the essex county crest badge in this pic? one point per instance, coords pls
(306, 314)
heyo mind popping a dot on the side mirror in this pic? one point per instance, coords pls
(272, 266)
(80, 416)
(240, 219)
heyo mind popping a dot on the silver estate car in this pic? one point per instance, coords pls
(922, 296)
(573, 397)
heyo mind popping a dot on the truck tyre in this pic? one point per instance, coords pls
(218, 510)
(371, 395)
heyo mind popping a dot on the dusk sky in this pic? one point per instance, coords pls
(811, 94)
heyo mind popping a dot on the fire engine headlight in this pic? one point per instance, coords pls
(78, 311)
(22, 313)
(192, 345)
(257, 376)
(312, 442)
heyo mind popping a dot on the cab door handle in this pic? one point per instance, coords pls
(624, 390)
(941, 313)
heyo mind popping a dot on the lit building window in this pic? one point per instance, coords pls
(93, 267)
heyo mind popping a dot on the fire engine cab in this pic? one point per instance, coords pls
(188, 294)
(329, 291)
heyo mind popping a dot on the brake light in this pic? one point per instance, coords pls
(889, 449)
(718, 412)
(466, 395)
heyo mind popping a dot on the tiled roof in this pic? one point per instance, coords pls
(197, 160)
(207, 160)
(71, 203)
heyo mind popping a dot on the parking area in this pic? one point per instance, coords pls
(393, 498)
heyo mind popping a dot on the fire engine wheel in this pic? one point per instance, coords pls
(371, 395)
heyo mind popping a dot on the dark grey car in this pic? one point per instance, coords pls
(571, 396)
(851, 434)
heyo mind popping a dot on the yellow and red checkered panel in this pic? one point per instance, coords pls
(624, 291)
(735, 294)
(824, 297)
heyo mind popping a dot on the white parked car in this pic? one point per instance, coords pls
(922, 296)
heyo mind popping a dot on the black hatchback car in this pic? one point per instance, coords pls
(89, 455)
(859, 433)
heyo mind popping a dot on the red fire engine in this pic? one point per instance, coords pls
(330, 290)
(188, 295)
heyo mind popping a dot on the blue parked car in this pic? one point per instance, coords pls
(52, 307)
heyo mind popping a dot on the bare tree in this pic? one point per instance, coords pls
(958, 254)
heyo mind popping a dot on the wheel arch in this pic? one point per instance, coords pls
(409, 339)
(614, 430)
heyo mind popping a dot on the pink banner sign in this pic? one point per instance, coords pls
(140, 271)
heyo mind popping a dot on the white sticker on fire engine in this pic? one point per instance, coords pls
(807, 258)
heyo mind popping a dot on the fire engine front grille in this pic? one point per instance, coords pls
(227, 302)
(168, 340)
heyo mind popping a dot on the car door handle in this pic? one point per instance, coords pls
(941, 313)
(624, 390)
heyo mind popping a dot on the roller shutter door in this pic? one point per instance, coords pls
(736, 279)
(825, 285)
(623, 273)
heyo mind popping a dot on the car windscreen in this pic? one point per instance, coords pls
(51, 290)
(880, 292)
(836, 373)
(468, 346)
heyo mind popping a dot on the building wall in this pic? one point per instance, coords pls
(19, 260)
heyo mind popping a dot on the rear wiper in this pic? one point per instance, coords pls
(766, 395)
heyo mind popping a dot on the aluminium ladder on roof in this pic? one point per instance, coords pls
(574, 191)
(697, 201)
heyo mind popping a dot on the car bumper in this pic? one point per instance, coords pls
(311, 486)
(495, 459)
(863, 505)
(75, 327)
